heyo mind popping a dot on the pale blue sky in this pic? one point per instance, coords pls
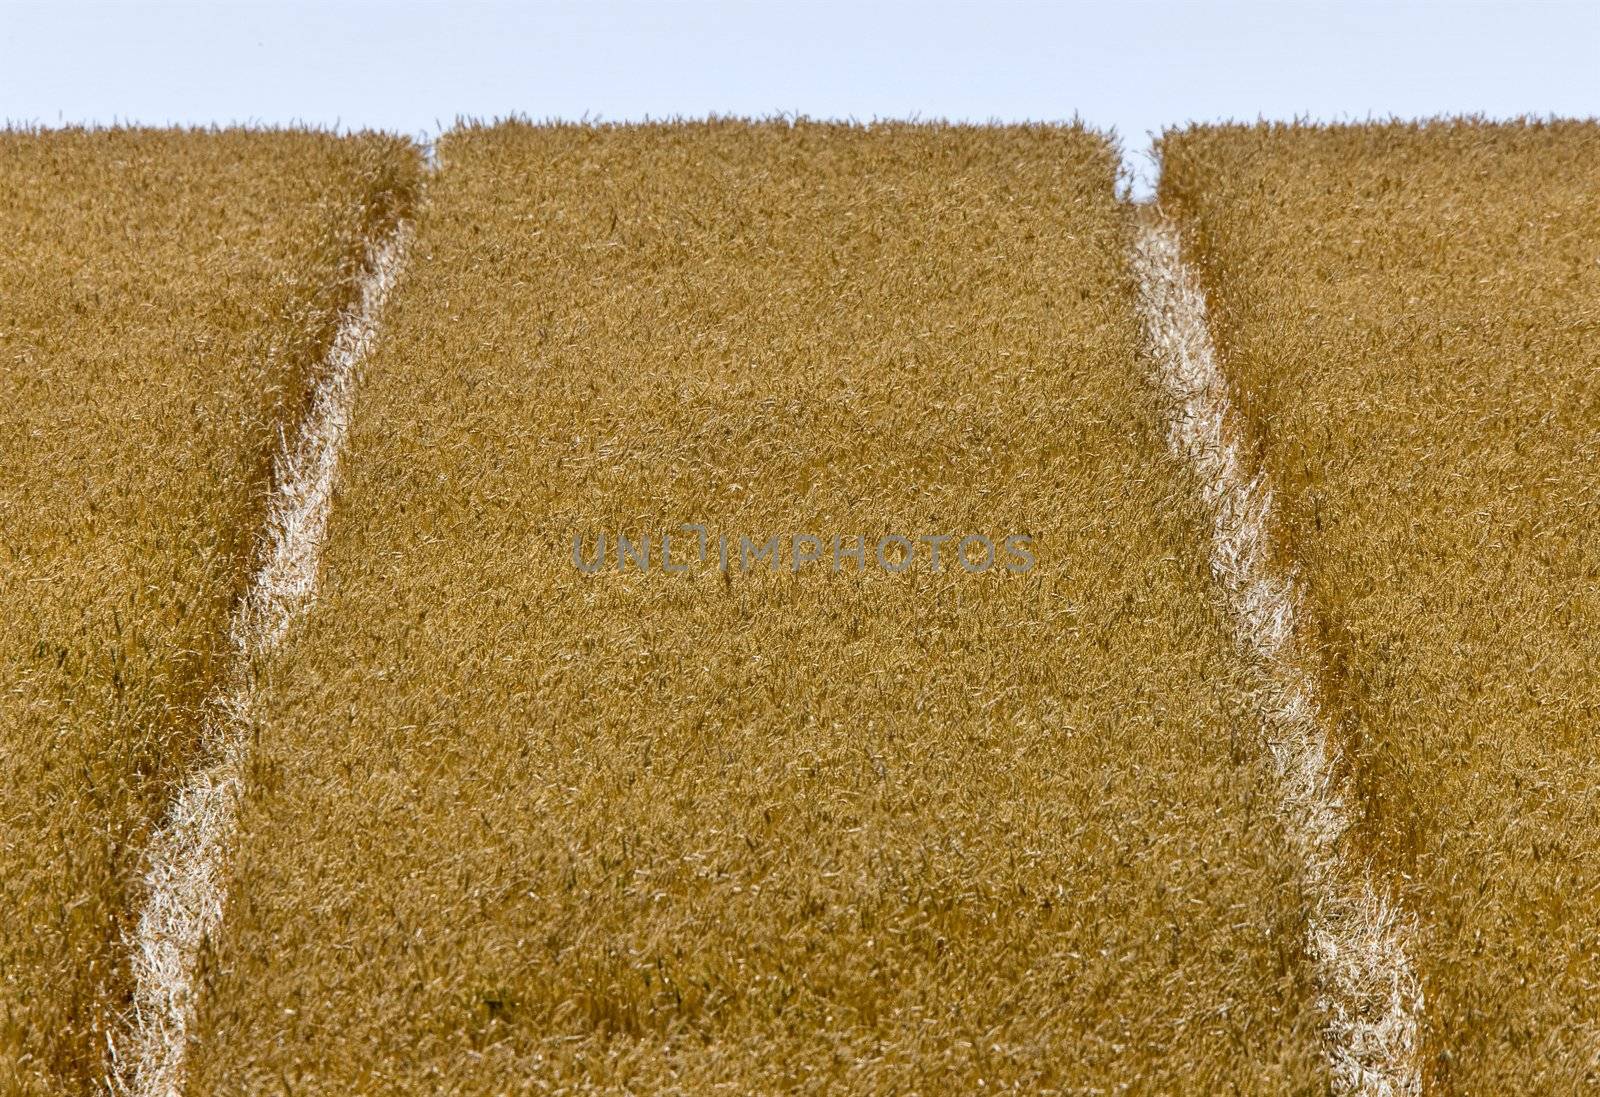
(413, 67)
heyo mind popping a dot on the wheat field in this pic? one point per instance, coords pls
(759, 831)
(163, 292)
(1409, 315)
(805, 608)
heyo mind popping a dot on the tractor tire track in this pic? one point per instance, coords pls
(184, 879)
(1358, 940)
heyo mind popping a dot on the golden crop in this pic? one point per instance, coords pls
(1411, 317)
(512, 827)
(163, 293)
(522, 814)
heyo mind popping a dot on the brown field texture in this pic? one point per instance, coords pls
(514, 828)
(1411, 317)
(163, 293)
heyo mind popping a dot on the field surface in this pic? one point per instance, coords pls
(513, 827)
(525, 810)
(163, 293)
(1410, 316)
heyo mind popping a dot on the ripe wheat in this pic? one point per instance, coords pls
(1410, 315)
(511, 827)
(163, 294)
